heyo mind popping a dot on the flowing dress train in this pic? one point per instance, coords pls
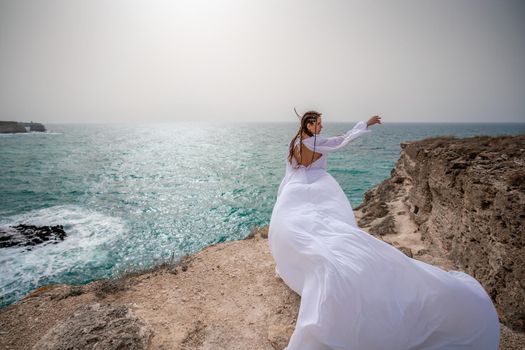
(358, 292)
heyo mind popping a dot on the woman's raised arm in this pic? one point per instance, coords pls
(332, 144)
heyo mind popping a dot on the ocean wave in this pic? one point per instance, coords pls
(87, 247)
(29, 133)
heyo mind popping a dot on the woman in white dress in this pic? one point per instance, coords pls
(358, 292)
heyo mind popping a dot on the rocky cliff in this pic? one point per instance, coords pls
(465, 200)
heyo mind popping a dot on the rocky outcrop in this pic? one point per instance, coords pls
(465, 199)
(96, 326)
(30, 235)
(17, 127)
(12, 127)
(38, 127)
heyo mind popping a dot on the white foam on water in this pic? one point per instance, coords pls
(11, 134)
(90, 236)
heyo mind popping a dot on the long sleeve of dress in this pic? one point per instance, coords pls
(332, 144)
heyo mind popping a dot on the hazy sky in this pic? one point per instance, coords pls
(251, 60)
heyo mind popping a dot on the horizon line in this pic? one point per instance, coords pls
(261, 122)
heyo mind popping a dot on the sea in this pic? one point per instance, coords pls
(131, 196)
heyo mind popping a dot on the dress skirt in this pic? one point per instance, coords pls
(360, 293)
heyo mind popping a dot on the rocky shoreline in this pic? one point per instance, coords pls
(228, 297)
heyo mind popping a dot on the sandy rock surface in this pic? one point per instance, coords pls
(225, 297)
(108, 327)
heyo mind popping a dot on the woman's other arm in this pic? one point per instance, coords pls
(332, 144)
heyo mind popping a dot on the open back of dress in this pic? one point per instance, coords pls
(303, 156)
(358, 292)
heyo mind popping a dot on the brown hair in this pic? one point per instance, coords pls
(307, 118)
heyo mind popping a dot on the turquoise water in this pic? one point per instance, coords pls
(130, 196)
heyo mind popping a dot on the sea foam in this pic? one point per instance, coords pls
(87, 247)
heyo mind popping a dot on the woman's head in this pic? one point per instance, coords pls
(311, 123)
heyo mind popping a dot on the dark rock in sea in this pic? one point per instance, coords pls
(29, 235)
(96, 326)
(12, 127)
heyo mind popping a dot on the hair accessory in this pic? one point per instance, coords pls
(297, 114)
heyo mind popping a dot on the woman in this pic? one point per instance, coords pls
(358, 292)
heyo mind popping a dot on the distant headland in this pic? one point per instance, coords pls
(20, 127)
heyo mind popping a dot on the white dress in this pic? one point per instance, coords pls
(358, 292)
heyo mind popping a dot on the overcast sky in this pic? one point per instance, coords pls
(254, 60)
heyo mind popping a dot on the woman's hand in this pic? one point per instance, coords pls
(374, 120)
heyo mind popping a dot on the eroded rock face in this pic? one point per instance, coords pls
(97, 326)
(30, 235)
(467, 196)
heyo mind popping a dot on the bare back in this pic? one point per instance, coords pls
(308, 156)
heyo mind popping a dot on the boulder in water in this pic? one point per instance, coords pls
(29, 235)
